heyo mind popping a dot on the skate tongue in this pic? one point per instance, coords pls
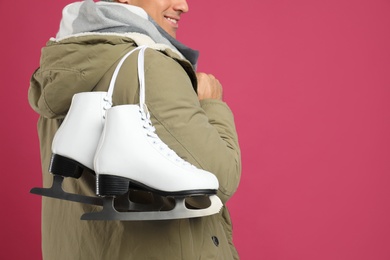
(145, 110)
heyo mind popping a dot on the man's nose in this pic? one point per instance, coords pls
(181, 5)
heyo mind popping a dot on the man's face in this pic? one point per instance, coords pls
(166, 13)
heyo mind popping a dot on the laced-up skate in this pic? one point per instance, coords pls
(73, 151)
(130, 153)
(75, 143)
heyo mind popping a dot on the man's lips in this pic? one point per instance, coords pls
(173, 20)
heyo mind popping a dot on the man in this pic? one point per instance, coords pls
(186, 109)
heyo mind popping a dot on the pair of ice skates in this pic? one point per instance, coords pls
(120, 145)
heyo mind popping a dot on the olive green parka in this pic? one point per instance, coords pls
(201, 132)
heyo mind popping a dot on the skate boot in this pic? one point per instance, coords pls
(75, 142)
(131, 154)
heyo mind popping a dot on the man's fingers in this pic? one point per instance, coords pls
(208, 86)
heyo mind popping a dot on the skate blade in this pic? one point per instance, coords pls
(56, 191)
(180, 211)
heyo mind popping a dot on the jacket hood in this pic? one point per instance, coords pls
(77, 64)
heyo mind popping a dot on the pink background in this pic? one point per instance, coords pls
(308, 82)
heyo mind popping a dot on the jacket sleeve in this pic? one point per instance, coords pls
(202, 133)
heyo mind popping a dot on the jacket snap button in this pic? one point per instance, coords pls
(215, 240)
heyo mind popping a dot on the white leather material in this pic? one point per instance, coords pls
(129, 148)
(79, 134)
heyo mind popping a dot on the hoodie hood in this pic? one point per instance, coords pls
(108, 17)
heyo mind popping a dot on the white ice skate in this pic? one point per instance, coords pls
(74, 147)
(131, 154)
(75, 142)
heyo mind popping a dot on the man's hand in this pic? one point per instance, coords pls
(208, 86)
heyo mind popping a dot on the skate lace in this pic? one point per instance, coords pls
(155, 140)
(145, 115)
